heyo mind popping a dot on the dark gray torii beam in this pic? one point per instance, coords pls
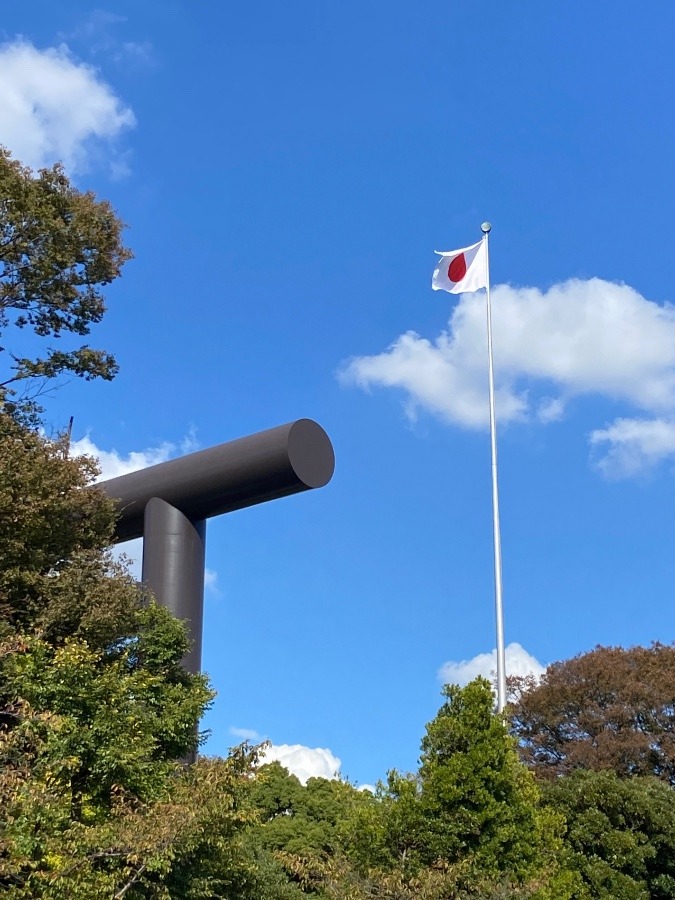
(168, 504)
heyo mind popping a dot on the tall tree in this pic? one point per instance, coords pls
(476, 799)
(190, 842)
(608, 709)
(469, 822)
(95, 706)
(58, 247)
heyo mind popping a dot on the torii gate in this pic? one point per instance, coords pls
(168, 504)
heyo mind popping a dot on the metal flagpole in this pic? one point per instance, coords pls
(499, 611)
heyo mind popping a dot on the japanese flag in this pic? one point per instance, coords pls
(461, 271)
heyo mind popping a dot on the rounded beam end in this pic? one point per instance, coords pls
(311, 453)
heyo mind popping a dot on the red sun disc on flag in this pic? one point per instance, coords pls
(457, 268)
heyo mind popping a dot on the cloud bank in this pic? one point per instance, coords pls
(304, 762)
(518, 662)
(578, 338)
(114, 464)
(55, 108)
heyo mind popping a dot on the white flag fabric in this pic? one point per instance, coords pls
(461, 271)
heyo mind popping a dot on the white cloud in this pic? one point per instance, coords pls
(190, 443)
(633, 445)
(518, 662)
(550, 409)
(140, 52)
(55, 108)
(113, 464)
(576, 338)
(304, 762)
(96, 24)
(120, 166)
(211, 582)
(97, 36)
(245, 734)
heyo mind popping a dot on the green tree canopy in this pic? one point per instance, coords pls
(621, 832)
(95, 706)
(96, 709)
(476, 799)
(58, 247)
(469, 822)
(56, 577)
(305, 820)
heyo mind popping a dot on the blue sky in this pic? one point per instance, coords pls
(286, 172)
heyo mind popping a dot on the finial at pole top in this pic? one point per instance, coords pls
(486, 228)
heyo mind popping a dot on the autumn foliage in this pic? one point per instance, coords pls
(59, 248)
(610, 709)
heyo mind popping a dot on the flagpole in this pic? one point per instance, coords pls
(499, 610)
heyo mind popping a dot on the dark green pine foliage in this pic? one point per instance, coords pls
(476, 799)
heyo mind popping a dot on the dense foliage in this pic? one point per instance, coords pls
(96, 711)
(469, 822)
(95, 706)
(621, 832)
(607, 709)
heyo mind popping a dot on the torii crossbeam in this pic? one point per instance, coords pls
(168, 504)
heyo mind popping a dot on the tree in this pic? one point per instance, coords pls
(96, 709)
(608, 709)
(58, 247)
(56, 576)
(95, 706)
(469, 822)
(621, 832)
(189, 843)
(476, 799)
(304, 820)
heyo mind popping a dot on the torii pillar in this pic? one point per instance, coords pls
(168, 504)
